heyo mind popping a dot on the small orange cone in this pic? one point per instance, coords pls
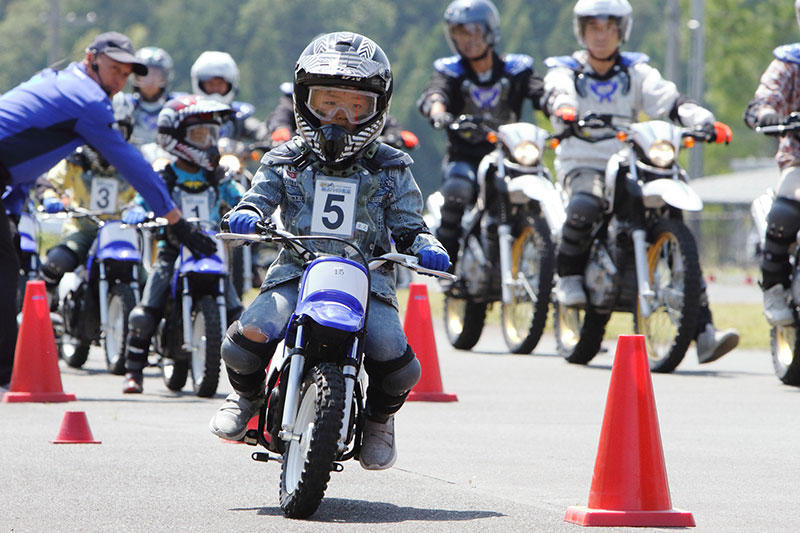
(35, 376)
(75, 429)
(629, 484)
(419, 332)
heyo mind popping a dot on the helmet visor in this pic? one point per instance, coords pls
(469, 39)
(202, 136)
(326, 102)
(155, 77)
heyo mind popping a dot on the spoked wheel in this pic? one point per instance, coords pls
(121, 301)
(674, 273)
(206, 344)
(524, 317)
(579, 332)
(74, 351)
(463, 321)
(175, 362)
(309, 456)
(786, 353)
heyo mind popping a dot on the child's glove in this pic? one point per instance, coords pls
(52, 205)
(243, 222)
(134, 215)
(193, 238)
(433, 257)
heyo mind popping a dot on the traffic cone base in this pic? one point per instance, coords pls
(418, 328)
(629, 483)
(75, 429)
(44, 397)
(583, 516)
(35, 376)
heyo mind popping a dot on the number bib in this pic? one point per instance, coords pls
(334, 207)
(196, 206)
(104, 195)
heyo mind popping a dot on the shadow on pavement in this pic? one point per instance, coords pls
(340, 510)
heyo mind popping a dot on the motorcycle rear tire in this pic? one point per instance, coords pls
(307, 463)
(207, 342)
(785, 349)
(533, 257)
(74, 351)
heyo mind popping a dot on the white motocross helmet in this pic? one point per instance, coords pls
(212, 64)
(797, 11)
(619, 9)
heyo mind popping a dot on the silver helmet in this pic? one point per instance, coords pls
(618, 9)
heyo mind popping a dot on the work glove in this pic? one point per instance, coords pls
(566, 113)
(433, 257)
(52, 205)
(770, 119)
(134, 215)
(243, 222)
(441, 120)
(193, 238)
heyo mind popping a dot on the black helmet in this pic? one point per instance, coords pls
(188, 127)
(462, 12)
(353, 66)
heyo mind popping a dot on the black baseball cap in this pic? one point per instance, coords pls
(119, 48)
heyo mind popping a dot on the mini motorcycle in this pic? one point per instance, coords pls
(784, 340)
(643, 259)
(507, 250)
(314, 413)
(96, 299)
(189, 336)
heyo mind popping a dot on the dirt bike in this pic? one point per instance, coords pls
(643, 259)
(314, 413)
(96, 299)
(784, 340)
(189, 336)
(507, 250)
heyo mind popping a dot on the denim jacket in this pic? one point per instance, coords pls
(379, 199)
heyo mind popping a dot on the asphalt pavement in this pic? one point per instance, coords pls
(515, 450)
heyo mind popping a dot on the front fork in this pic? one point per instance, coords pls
(505, 241)
(646, 295)
(291, 403)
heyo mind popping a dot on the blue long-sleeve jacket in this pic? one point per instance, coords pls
(44, 119)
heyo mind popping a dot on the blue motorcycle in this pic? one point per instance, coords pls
(314, 413)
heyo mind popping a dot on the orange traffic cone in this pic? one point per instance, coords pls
(419, 332)
(75, 429)
(35, 376)
(629, 484)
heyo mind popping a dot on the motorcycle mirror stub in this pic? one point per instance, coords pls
(688, 142)
(622, 136)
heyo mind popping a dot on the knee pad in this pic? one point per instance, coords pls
(783, 221)
(390, 382)
(583, 211)
(242, 355)
(142, 324)
(458, 190)
(60, 260)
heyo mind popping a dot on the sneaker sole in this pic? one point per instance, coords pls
(729, 344)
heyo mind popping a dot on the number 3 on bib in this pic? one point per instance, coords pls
(334, 207)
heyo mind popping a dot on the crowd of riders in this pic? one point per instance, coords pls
(71, 130)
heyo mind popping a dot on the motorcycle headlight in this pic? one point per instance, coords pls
(527, 154)
(661, 154)
(231, 162)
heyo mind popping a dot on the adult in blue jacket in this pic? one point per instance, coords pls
(47, 117)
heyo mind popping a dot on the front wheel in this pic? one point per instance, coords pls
(206, 343)
(579, 332)
(532, 265)
(74, 351)
(309, 457)
(786, 353)
(121, 301)
(674, 272)
(463, 321)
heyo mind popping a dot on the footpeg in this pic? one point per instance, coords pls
(264, 457)
(337, 467)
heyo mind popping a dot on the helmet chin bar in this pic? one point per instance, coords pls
(332, 141)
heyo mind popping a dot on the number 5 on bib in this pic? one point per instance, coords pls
(334, 207)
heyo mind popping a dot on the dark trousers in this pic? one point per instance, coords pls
(9, 277)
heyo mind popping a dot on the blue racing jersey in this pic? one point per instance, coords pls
(44, 119)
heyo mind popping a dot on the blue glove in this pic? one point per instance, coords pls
(433, 257)
(134, 215)
(52, 205)
(243, 222)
